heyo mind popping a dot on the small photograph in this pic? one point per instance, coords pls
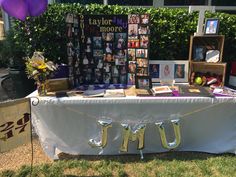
(142, 62)
(143, 83)
(120, 40)
(70, 61)
(132, 67)
(76, 31)
(99, 63)
(97, 42)
(131, 54)
(199, 53)
(143, 30)
(70, 71)
(179, 71)
(89, 41)
(69, 30)
(88, 49)
(144, 19)
(98, 76)
(120, 54)
(85, 60)
(107, 67)
(108, 37)
(107, 78)
(88, 78)
(133, 31)
(76, 21)
(115, 80)
(133, 18)
(77, 71)
(123, 79)
(142, 71)
(167, 71)
(98, 53)
(154, 70)
(108, 47)
(144, 41)
(109, 57)
(120, 61)
(131, 79)
(123, 70)
(70, 51)
(69, 18)
(133, 43)
(115, 71)
(141, 53)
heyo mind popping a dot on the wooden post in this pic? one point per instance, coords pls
(201, 16)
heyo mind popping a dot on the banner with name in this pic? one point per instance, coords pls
(14, 124)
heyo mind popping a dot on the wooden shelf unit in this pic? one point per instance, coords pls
(209, 42)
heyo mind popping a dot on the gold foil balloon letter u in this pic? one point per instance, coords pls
(176, 142)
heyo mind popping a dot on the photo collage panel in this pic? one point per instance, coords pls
(138, 47)
(73, 45)
(97, 52)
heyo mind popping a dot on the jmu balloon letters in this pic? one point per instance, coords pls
(137, 133)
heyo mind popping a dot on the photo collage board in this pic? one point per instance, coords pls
(138, 47)
(97, 48)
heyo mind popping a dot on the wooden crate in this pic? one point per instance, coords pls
(208, 42)
(212, 68)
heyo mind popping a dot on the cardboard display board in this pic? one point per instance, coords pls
(99, 46)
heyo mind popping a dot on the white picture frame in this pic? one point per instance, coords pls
(167, 70)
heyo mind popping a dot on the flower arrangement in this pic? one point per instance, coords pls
(39, 69)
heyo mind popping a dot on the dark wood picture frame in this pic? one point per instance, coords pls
(211, 26)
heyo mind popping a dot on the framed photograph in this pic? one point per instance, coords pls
(211, 26)
(166, 70)
(143, 82)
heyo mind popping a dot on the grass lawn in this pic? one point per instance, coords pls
(166, 164)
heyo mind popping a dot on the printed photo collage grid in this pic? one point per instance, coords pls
(100, 59)
(138, 46)
(73, 46)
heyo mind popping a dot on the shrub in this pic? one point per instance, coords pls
(170, 30)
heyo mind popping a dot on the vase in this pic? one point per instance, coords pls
(42, 88)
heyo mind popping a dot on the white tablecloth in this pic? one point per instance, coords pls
(206, 124)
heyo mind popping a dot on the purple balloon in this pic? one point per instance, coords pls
(15, 8)
(36, 7)
(20, 9)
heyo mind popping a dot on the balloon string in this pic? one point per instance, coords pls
(180, 116)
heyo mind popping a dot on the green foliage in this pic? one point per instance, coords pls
(170, 30)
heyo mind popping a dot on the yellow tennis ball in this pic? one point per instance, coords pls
(198, 80)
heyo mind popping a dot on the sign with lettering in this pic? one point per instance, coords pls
(14, 124)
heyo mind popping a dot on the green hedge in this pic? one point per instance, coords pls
(170, 30)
